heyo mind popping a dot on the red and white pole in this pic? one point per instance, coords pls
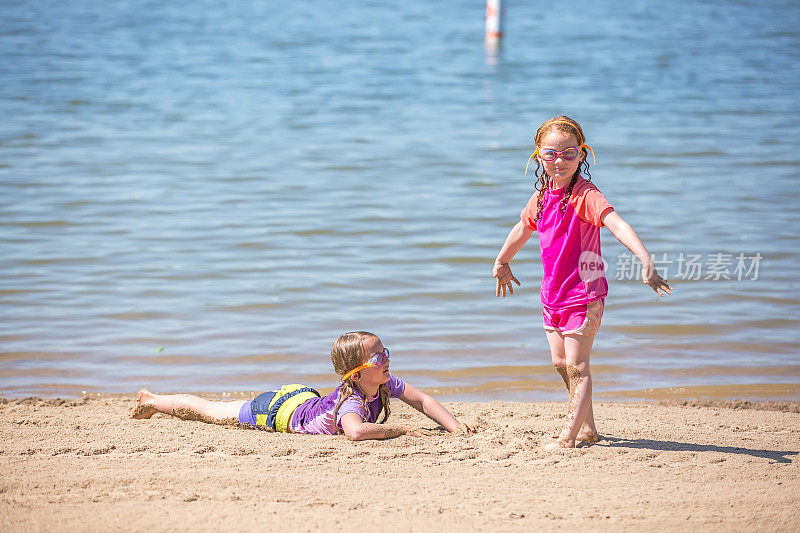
(494, 21)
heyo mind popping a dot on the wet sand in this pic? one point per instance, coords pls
(84, 464)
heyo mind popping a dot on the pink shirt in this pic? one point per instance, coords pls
(569, 244)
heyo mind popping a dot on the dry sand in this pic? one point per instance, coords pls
(80, 465)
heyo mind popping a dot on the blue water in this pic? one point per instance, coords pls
(201, 197)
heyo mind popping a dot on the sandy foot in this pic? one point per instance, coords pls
(559, 444)
(143, 408)
(588, 437)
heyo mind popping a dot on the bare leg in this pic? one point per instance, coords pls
(588, 431)
(186, 406)
(577, 349)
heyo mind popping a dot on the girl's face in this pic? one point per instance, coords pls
(560, 169)
(373, 376)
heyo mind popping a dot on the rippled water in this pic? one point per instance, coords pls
(201, 198)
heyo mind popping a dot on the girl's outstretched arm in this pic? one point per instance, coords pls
(628, 237)
(430, 407)
(516, 239)
(356, 429)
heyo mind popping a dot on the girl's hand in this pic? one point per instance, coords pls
(504, 277)
(464, 429)
(655, 281)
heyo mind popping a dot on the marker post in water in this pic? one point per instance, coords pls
(494, 21)
(494, 30)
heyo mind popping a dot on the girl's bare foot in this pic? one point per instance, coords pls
(587, 436)
(559, 444)
(143, 408)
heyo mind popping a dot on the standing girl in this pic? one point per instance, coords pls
(568, 211)
(353, 408)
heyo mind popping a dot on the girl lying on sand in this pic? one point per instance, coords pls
(353, 408)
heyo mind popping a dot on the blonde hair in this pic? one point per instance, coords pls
(347, 353)
(566, 125)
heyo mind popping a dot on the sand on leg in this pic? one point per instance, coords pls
(588, 431)
(186, 406)
(578, 349)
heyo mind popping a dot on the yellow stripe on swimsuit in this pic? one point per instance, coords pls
(282, 405)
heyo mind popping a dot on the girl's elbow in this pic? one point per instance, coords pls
(424, 401)
(354, 434)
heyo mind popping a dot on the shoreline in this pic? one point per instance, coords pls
(786, 406)
(522, 382)
(517, 391)
(84, 464)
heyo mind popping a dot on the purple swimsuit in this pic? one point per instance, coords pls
(316, 414)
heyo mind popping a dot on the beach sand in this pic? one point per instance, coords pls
(84, 465)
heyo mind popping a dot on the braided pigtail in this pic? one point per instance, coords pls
(345, 392)
(542, 184)
(385, 396)
(364, 400)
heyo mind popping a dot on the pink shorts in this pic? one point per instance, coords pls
(578, 320)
